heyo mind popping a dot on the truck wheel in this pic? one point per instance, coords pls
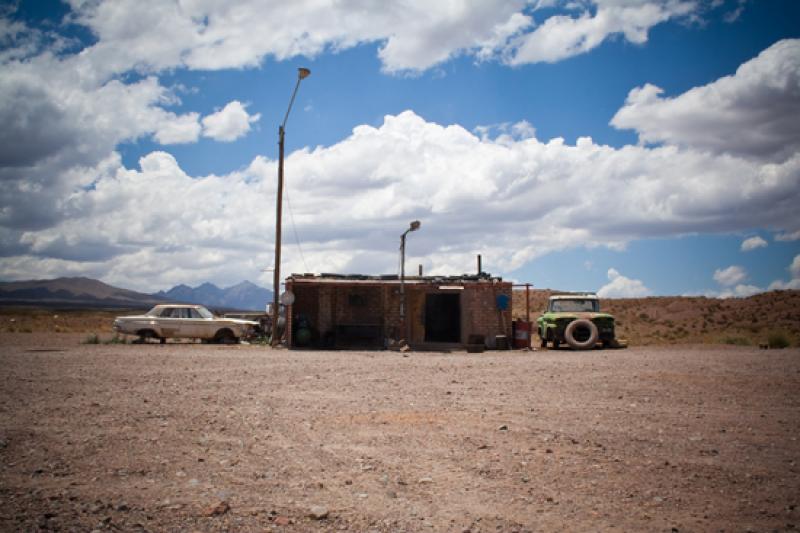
(581, 334)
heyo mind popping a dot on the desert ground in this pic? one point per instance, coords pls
(191, 437)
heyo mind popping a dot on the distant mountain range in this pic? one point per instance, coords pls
(87, 292)
(244, 296)
(72, 292)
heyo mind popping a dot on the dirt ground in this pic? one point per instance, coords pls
(189, 437)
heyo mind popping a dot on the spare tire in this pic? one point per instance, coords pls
(581, 334)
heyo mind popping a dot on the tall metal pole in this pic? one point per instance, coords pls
(276, 280)
(414, 226)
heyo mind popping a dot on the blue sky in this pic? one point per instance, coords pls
(142, 141)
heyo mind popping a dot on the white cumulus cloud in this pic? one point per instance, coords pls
(229, 123)
(621, 287)
(501, 197)
(794, 281)
(178, 129)
(563, 36)
(788, 236)
(753, 243)
(414, 35)
(752, 113)
(730, 276)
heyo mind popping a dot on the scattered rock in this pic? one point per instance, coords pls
(504, 427)
(217, 509)
(123, 507)
(425, 480)
(282, 521)
(318, 512)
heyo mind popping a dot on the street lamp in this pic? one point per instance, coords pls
(414, 226)
(302, 73)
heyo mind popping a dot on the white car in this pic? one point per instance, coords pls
(184, 321)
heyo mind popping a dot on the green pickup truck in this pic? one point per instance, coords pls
(575, 319)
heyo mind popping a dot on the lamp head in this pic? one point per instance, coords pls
(415, 225)
(303, 73)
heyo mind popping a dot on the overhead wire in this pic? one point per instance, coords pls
(294, 229)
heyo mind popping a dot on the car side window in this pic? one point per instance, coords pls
(194, 313)
(167, 313)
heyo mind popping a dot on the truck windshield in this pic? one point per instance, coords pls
(575, 306)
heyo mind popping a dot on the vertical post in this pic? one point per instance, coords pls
(528, 313)
(276, 280)
(528, 302)
(403, 284)
(420, 270)
(480, 269)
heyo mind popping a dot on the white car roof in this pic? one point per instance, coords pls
(583, 296)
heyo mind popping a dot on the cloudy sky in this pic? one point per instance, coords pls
(631, 147)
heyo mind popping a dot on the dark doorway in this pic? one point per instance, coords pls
(442, 318)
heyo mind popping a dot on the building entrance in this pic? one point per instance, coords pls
(443, 317)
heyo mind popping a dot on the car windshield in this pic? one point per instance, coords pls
(156, 311)
(575, 306)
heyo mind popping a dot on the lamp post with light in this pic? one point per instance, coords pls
(414, 226)
(302, 73)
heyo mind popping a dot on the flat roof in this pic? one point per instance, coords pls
(391, 279)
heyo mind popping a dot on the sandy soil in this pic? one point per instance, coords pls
(215, 438)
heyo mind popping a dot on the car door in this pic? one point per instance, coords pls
(202, 328)
(168, 322)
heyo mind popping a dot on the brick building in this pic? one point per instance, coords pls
(354, 311)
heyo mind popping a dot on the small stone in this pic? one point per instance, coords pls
(318, 512)
(548, 450)
(216, 509)
(282, 521)
(504, 427)
(123, 507)
(424, 480)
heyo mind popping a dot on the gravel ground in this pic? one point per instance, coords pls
(219, 438)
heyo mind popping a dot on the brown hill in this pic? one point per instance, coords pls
(71, 292)
(691, 320)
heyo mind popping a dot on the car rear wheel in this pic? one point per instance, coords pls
(225, 336)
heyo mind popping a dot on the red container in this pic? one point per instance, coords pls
(522, 334)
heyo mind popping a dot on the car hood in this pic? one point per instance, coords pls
(574, 315)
